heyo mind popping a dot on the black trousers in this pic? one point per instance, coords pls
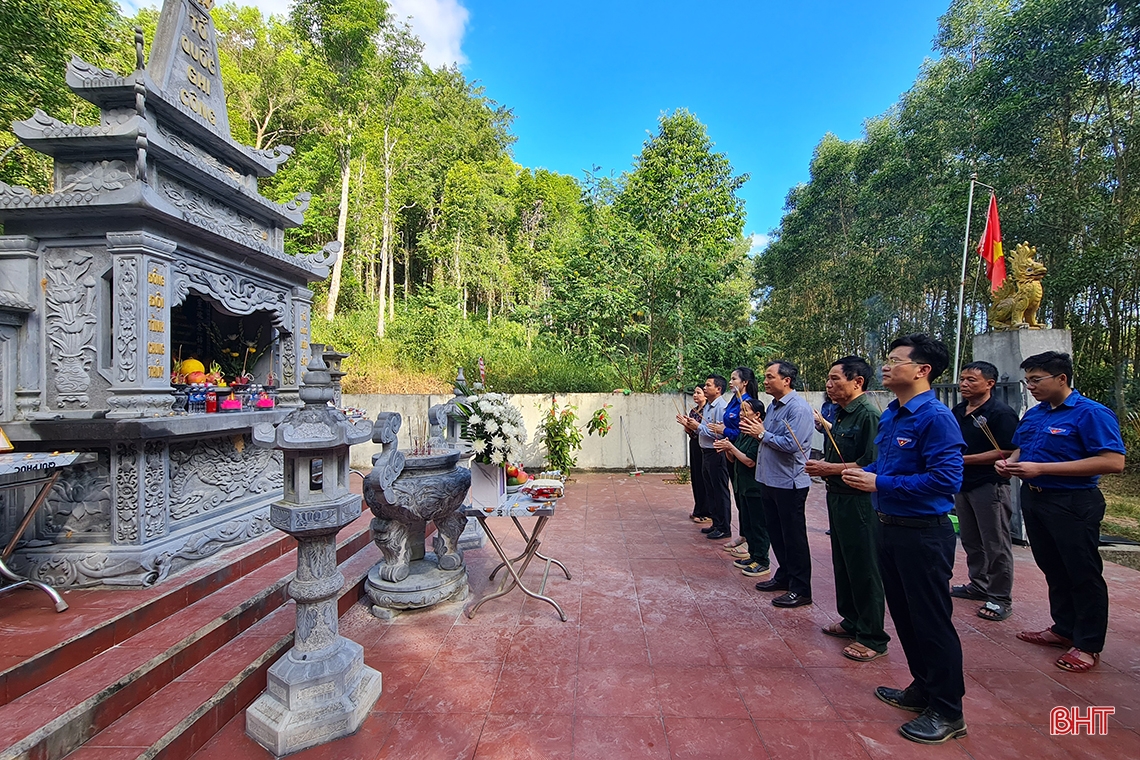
(755, 528)
(718, 490)
(787, 530)
(916, 565)
(697, 478)
(1064, 532)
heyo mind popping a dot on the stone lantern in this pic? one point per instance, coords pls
(321, 689)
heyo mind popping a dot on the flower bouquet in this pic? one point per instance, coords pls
(494, 426)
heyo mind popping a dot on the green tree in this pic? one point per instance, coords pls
(37, 38)
(344, 33)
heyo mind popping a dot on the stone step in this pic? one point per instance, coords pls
(62, 642)
(180, 718)
(53, 720)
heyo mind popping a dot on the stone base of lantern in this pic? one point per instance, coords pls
(425, 586)
(310, 702)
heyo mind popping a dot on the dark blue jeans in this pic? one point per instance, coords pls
(916, 565)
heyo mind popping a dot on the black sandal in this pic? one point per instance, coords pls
(994, 611)
(966, 591)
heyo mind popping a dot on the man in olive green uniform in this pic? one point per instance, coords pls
(858, 586)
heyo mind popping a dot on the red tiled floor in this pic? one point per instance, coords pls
(713, 739)
(446, 688)
(616, 690)
(526, 737)
(793, 740)
(670, 652)
(698, 693)
(448, 736)
(882, 741)
(610, 737)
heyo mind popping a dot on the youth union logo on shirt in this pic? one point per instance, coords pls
(904, 443)
(1058, 431)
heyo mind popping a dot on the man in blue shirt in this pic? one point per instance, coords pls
(780, 461)
(914, 479)
(1064, 444)
(713, 465)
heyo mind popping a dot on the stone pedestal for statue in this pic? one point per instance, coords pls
(1006, 350)
(321, 689)
(404, 492)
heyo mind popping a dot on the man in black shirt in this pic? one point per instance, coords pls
(983, 505)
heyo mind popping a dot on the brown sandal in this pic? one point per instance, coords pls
(1039, 638)
(838, 631)
(861, 653)
(1072, 662)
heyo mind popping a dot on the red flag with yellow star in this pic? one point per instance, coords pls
(990, 247)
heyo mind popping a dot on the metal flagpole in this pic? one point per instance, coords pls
(962, 281)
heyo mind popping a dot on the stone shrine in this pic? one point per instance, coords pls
(154, 246)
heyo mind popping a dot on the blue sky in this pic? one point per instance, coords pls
(587, 80)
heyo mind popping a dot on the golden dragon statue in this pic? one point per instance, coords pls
(1016, 302)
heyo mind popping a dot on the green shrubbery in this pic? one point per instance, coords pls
(429, 340)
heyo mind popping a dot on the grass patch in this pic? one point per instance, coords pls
(1122, 505)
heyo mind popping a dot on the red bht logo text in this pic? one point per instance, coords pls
(1066, 721)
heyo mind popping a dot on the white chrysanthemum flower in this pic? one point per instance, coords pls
(497, 442)
(498, 458)
(492, 426)
(474, 419)
(479, 446)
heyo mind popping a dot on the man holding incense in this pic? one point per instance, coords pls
(983, 506)
(1064, 444)
(914, 479)
(849, 441)
(780, 470)
(718, 495)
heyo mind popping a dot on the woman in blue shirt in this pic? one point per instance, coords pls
(742, 387)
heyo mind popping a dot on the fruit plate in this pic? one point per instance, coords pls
(514, 489)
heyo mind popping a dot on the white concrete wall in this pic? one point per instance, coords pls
(657, 441)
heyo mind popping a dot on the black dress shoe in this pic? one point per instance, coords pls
(904, 699)
(791, 599)
(718, 534)
(772, 585)
(932, 728)
(709, 529)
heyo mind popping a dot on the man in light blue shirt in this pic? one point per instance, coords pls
(713, 464)
(784, 434)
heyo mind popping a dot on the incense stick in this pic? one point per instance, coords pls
(983, 423)
(797, 440)
(827, 429)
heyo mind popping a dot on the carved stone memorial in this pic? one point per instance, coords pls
(404, 492)
(154, 246)
(320, 689)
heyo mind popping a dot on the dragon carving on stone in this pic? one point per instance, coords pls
(403, 498)
(1016, 302)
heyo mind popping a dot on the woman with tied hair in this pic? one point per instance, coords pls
(742, 387)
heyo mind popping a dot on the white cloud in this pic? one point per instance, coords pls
(440, 25)
(759, 243)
